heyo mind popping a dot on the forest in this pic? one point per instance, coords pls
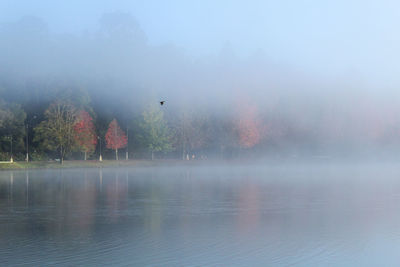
(70, 127)
(76, 96)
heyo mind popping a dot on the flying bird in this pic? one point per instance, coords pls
(162, 103)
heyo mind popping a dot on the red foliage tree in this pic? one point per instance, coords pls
(249, 127)
(85, 133)
(115, 137)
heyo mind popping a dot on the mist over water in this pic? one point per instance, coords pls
(278, 215)
(257, 133)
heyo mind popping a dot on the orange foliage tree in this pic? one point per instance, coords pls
(85, 133)
(115, 137)
(249, 127)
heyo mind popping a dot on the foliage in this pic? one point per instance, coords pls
(192, 132)
(115, 137)
(4, 156)
(249, 127)
(12, 119)
(156, 134)
(85, 133)
(37, 156)
(57, 131)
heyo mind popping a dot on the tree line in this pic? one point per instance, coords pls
(71, 128)
(66, 129)
(221, 107)
(78, 124)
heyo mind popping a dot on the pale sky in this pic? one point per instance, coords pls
(358, 37)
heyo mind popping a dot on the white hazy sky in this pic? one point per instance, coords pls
(357, 37)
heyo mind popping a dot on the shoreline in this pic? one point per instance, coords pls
(270, 162)
(22, 165)
(70, 164)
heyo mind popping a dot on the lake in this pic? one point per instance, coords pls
(219, 215)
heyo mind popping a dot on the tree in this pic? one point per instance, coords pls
(122, 26)
(85, 133)
(57, 131)
(12, 128)
(115, 137)
(192, 132)
(156, 134)
(249, 127)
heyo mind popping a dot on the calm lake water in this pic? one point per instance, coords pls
(301, 215)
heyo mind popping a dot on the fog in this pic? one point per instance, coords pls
(209, 133)
(316, 74)
(278, 214)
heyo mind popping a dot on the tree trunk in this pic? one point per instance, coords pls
(85, 155)
(61, 156)
(116, 154)
(152, 155)
(183, 150)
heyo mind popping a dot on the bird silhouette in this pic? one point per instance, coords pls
(162, 103)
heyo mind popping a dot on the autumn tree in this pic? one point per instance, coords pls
(249, 127)
(115, 137)
(156, 134)
(85, 133)
(57, 131)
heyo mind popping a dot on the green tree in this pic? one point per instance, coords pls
(12, 118)
(57, 131)
(156, 134)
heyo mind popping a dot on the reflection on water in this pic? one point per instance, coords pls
(276, 215)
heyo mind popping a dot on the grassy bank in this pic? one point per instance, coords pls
(77, 164)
